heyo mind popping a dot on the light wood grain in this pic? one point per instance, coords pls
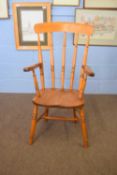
(74, 60)
(33, 124)
(64, 27)
(40, 59)
(63, 60)
(61, 118)
(52, 60)
(59, 98)
(62, 98)
(84, 128)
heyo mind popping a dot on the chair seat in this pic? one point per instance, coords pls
(58, 98)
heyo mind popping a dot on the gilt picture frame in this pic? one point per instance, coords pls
(26, 15)
(104, 23)
(105, 4)
(66, 2)
(3, 9)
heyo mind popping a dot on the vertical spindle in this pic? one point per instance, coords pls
(63, 61)
(74, 60)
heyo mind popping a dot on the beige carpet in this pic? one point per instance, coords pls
(58, 145)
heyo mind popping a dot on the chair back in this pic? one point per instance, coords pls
(65, 27)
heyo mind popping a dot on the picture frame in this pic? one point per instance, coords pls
(26, 15)
(3, 8)
(66, 2)
(105, 4)
(105, 26)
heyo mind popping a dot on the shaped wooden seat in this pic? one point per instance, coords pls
(58, 98)
(53, 97)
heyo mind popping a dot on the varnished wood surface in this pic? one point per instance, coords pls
(52, 61)
(74, 61)
(88, 71)
(63, 60)
(58, 98)
(64, 27)
(65, 98)
(62, 118)
(31, 68)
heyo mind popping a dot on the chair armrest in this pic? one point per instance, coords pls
(88, 71)
(31, 68)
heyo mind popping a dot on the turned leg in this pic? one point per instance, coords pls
(34, 122)
(83, 127)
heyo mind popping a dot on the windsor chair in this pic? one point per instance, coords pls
(61, 97)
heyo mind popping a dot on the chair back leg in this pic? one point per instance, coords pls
(46, 113)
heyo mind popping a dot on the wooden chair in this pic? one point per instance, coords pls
(55, 97)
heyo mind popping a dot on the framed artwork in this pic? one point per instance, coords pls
(105, 26)
(100, 4)
(66, 2)
(3, 9)
(26, 15)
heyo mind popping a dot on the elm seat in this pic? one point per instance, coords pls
(53, 97)
(58, 98)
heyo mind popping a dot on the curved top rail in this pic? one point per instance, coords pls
(64, 27)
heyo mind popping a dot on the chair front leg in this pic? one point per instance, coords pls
(34, 122)
(83, 127)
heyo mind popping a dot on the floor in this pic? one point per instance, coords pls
(57, 149)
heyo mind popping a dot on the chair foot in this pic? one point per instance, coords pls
(30, 141)
(32, 131)
(84, 129)
(85, 145)
(33, 125)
